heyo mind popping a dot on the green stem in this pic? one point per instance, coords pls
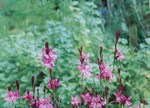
(99, 83)
(50, 74)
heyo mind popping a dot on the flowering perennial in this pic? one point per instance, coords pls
(94, 99)
(49, 56)
(53, 83)
(106, 73)
(120, 56)
(75, 100)
(28, 96)
(12, 96)
(85, 67)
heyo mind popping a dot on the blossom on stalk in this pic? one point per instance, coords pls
(106, 73)
(85, 66)
(120, 55)
(126, 100)
(53, 83)
(118, 96)
(45, 103)
(87, 97)
(95, 102)
(35, 104)
(75, 100)
(85, 70)
(102, 101)
(144, 102)
(49, 56)
(122, 99)
(84, 57)
(12, 96)
(28, 96)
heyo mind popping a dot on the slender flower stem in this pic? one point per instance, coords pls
(114, 60)
(82, 84)
(44, 91)
(51, 74)
(33, 86)
(37, 94)
(53, 95)
(100, 85)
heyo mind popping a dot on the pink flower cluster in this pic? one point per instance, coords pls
(120, 98)
(85, 67)
(53, 83)
(98, 102)
(42, 103)
(48, 59)
(12, 96)
(75, 100)
(89, 100)
(120, 55)
(49, 56)
(28, 96)
(105, 72)
(85, 70)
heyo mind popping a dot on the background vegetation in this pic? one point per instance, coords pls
(67, 25)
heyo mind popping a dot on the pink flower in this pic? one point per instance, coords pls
(120, 55)
(53, 83)
(48, 59)
(98, 77)
(95, 103)
(75, 100)
(34, 104)
(16, 94)
(84, 57)
(45, 103)
(118, 96)
(85, 70)
(85, 67)
(12, 96)
(87, 97)
(28, 96)
(123, 99)
(102, 101)
(106, 73)
(127, 100)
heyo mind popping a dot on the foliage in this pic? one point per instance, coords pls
(66, 25)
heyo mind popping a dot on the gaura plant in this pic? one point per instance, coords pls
(88, 97)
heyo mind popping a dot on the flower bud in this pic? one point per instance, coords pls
(17, 84)
(9, 88)
(144, 102)
(33, 81)
(46, 47)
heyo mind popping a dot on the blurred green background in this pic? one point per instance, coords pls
(25, 25)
